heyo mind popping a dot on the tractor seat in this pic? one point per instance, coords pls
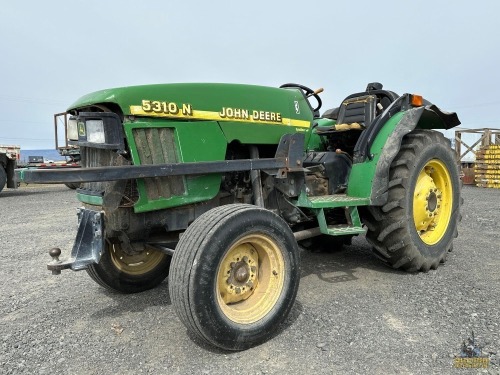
(355, 113)
(362, 107)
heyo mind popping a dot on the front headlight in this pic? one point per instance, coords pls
(100, 130)
(95, 131)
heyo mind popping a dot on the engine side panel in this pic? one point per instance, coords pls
(161, 141)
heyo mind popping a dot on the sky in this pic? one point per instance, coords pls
(53, 52)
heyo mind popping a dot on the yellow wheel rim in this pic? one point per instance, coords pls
(250, 278)
(135, 264)
(432, 202)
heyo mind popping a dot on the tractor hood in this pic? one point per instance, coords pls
(206, 101)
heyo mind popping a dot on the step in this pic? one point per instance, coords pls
(354, 225)
(342, 230)
(331, 201)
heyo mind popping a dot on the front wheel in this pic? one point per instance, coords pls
(235, 275)
(124, 272)
(415, 229)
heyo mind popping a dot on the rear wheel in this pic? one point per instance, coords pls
(235, 275)
(120, 271)
(414, 230)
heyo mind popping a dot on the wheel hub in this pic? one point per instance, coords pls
(241, 270)
(250, 278)
(137, 263)
(426, 201)
(432, 202)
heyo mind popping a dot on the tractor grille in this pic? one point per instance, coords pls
(157, 146)
(95, 157)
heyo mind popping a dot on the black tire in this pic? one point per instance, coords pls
(425, 158)
(72, 185)
(132, 273)
(3, 178)
(212, 277)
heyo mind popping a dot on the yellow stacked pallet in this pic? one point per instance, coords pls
(487, 168)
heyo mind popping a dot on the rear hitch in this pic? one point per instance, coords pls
(55, 252)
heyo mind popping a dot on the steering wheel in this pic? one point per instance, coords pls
(308, 92)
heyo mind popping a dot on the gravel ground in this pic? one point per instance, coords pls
(352, 314)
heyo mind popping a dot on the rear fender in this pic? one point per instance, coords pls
(370, 177)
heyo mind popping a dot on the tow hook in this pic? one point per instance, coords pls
(88, 245)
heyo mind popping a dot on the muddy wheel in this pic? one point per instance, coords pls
(234, 276)
(3, 177)
(130, 273)
(415, 229)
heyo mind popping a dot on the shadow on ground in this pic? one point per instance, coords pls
(340, 265)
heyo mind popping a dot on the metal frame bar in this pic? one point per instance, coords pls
(127, 172)
(287, 159)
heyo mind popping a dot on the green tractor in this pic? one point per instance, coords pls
(215, 185)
